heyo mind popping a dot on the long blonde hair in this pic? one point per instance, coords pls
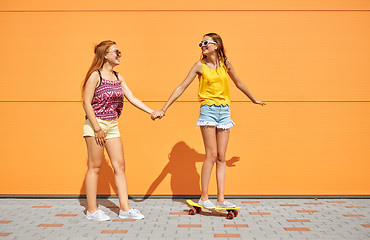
(99, 59)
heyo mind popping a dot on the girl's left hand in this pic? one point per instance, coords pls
(260, 103)
(157, 114)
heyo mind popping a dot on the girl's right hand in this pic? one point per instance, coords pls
(100, 137)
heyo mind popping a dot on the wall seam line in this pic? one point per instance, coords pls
(185, 10)
(196, 101)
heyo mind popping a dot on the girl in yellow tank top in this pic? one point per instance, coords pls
(214, 118)
(214, 88)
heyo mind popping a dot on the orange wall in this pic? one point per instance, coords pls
(308, 61)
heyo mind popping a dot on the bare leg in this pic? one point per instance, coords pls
(222, 140)
(210, 145)
(95, 157)
(115, 151)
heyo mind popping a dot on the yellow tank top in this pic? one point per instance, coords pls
(214, 86)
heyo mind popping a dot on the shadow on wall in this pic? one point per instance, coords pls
(105, 182)
(185, 179)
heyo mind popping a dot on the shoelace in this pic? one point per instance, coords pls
(227, 203)
(99, 213)
(134, 211)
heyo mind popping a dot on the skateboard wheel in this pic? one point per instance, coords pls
(192, 211)
(236, 213)
(198, 209)
(230, 215)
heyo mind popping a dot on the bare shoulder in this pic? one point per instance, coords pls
(228, 64)
(94, 77)
(120, 78)
(197, 67)
(94, 74)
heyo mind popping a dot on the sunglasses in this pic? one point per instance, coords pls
(205, 43)
(117, 52)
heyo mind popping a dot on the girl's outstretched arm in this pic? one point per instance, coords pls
(194, 71)
(240, 85)
(131, 98)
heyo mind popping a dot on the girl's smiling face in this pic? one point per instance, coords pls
(210, 48)
(113, 55)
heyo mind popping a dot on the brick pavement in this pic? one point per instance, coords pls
(273, 219)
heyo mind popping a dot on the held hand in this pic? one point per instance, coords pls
(154, 115)
(157, 114)
(160, 114)
(100, 137)
(260, 103)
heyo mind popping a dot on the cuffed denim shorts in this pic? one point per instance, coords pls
(110, 127)
(215, 116)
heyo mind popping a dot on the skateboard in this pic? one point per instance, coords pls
(196, 208)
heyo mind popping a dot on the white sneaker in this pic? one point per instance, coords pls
(99, 215)
(206, 204)
(225, 204)
(131, 214)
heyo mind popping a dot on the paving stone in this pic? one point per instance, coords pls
(65, 219)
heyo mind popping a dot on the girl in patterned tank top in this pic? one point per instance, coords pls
(103, 92)
(213, 71)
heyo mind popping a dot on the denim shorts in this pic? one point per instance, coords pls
(110, 127)
(215, 116)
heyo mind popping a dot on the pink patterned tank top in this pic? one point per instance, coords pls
(108, 99)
